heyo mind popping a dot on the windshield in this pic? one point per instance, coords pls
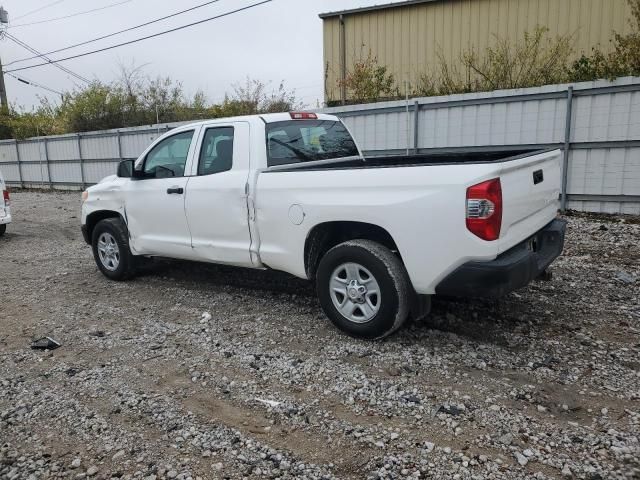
(307, 141)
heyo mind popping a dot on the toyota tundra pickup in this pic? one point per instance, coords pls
(292, 192)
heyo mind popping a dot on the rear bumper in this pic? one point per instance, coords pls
(5, 219)
(512, 270)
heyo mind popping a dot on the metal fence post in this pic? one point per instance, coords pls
(46, 158)
(567, 147)
(416, 123)
(343, 62)
(81, 162)
(119, 139)
(19, 165)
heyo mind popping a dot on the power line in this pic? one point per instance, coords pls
(39, 9)
(119, 32)
(71, 15)
(34, 84)
(44, 57)
(143, 38)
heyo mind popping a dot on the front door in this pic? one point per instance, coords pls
(154, 205)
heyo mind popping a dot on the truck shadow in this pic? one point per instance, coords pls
(212, 275)
(487, 321)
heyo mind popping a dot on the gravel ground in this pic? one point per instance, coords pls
(196, 371)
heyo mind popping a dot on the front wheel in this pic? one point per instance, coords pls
(111, 252)
(363, 289)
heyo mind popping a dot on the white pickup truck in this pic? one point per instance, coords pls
(5, 206)
(292, 192)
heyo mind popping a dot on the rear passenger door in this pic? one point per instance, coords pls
(216, 201)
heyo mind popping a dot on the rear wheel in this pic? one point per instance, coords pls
(363, 289)
(111, 251)
(3, 228)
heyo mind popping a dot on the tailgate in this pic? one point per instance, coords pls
(530, 195)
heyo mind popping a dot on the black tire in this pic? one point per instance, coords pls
(387, 270)
(116, 228)
(3, 228)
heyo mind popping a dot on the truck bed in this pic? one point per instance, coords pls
(416, 160)
(422, 209)
(448, 158)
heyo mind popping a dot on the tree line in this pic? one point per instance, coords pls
(135, 99)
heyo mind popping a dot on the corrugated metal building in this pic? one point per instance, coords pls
(407, 36)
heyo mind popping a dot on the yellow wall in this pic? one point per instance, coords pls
(407, 39)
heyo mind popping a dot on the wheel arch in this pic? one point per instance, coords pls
(95, 217)
(324, 236)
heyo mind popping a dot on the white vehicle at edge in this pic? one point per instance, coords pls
(292, 192)
(5, 206)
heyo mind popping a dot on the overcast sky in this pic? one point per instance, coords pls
(281, 40)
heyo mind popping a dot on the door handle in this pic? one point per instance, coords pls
(175, 190)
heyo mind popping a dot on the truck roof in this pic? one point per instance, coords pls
(283, 117)
(266, 117)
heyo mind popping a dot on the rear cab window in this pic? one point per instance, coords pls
(296, 141)
(216, 154)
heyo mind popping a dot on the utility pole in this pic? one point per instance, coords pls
(3, 90)
(4, 20)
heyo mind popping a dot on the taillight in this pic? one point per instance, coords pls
(7, 200)
(303, 116)
(484, 209)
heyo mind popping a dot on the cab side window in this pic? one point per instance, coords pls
(169, 157)
(216, 154)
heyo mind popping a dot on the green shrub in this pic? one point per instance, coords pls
(368, 81)
(622, 60)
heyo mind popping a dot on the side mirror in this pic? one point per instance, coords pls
(125, 169)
